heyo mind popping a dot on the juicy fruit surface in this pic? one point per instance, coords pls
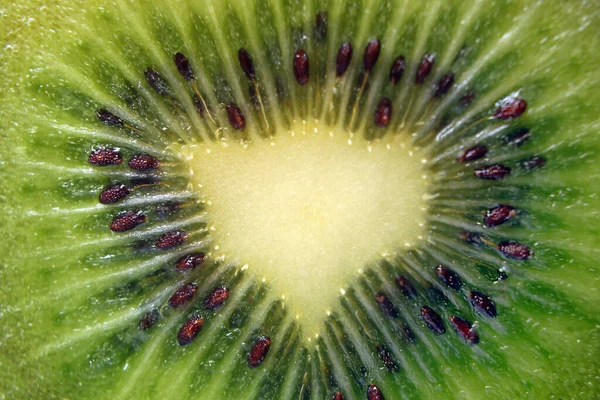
(73, 292)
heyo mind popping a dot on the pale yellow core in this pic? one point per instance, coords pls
(309, 209)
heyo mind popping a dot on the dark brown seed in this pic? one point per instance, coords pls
(483, 303)
(444, 84)
(510, 107)
(127, 221)
(114, 193)
(408, 334)
(387, 358)
(383, 113)
(448, 277)
(373, 393)
(515, 250)
(105, 156)
(145, 181)
(386, 305)
(424, 68)
(182, 295)
(148, 320)
(236, 117)
(492, 172)
(397, 69)
(344, 56)
(338, 396)
(371, 54)
(156, 81)
(183, 66)
(190, 261)
(468, 98)
(108, 118)
(166, 209)
(533, 163)
(143, 162)
(499, 215)
(471, 238)
(408, 290)
(321, 26)
(301, 66)
(465, 330)
(216, 297)
(433, 320)
(473, 153)
(170, 240)
(259, 351)
(518, 137)
(246, 63)
(189, 330)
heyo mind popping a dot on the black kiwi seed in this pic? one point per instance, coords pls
(189, 330)
(386, 305)
(473, 153)
(465, 330)
(510, 107)
(217, 297)
(156, 81)
(170, 240)
(499, 215)
(338, 396)
(259, 351)
(344, 56)
(236, 117)
(515, 250)
(104, 157)
(424, 68)
(493, 172)
(183, 295)
(448, 277)
(108, 118)
(518, 137)
(371, 55)
(471, 238)
(397, 69)
(246, 63)
(444, 84)
(148, 320)
(183, 66)
(143, 162)
(433, 320)
(301, 66)
(533, 163)
(383, 113)
(127, 221)
(387, 358)
(407, 289)
(321, 26)
(483, 303)
(190, 261)
(373, 393)
(114, 194)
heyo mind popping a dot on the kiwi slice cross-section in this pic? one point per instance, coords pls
(274, 199)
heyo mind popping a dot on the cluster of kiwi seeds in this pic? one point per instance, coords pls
(435, 300)
(417, 296)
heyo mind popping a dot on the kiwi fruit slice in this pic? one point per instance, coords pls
(299, 199)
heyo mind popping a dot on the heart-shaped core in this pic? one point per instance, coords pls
(310, 208)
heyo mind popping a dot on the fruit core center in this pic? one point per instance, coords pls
(309, 209)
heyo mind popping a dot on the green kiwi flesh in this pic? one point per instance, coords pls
(74, 294)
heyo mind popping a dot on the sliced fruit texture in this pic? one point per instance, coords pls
(300, 199)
